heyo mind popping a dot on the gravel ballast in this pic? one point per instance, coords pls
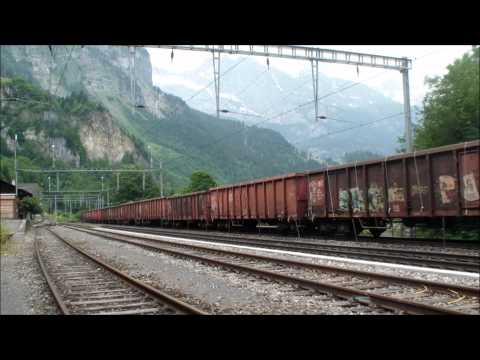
(213, 289)
(392, 269)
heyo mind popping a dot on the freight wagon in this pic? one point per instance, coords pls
(436, 187)
(273, 202)
(429, 187)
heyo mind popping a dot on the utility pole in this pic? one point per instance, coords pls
(55, 209)
(406, 108)
(102, 191)
(150, 150)
(58, 182)
(49, 184)
(161, 178)
(53, 156)
(216, 78)
(16, 175)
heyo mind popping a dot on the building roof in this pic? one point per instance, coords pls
(7, 188)
(32, 188)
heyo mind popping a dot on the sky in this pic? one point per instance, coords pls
(428, 60)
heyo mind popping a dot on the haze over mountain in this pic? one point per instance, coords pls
(264, 93)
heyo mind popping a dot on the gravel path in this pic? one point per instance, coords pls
(23, 288)
(215, 290)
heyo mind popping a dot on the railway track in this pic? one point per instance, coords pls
(84, 285)
(387, 292)
(460, 262)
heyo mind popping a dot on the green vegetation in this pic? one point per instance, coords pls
(200, 181)
(185, 140)
(360, 155)
(451, 108)
(33, 109)
(4, 235)
(131, 187)
(30, 205)
(450, 233)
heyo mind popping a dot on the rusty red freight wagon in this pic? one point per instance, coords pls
(193, 207)
(436, 183)
(275, 200)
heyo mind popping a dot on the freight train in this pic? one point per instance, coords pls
(435, 187)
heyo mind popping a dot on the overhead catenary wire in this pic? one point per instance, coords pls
(210, 84)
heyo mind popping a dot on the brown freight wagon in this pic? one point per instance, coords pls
(272, 201)
(190, 208)
(423, 186)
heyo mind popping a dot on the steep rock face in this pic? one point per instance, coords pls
(103, 140)
(183, 139)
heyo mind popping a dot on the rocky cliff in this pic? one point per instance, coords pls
(183, 139)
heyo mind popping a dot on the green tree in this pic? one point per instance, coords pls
(131, 188)
(360, 155)
(451, 107)
(30, 205)
(200, 181)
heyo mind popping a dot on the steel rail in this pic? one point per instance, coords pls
(415, 252)
(51, 284)
(157, 294)
(471, 244)
(353, 294)
(399, 255)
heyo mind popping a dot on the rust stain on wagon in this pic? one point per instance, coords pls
(317, 191)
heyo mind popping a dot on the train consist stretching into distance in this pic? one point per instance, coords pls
(434, 187)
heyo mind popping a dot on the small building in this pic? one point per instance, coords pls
(32, 188)
(8, 200)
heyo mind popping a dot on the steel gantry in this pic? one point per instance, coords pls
(314, 55)
(107, 191)
(216, 78)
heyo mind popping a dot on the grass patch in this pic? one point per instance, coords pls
(4, 236)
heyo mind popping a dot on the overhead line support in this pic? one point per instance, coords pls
(216, 78)
(315, 85)
(314, 55)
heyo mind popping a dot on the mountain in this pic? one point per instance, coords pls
(264, 93)
(115, 126)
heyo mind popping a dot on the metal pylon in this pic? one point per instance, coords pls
(216, 78)
(131, 65)
(315, 85)
(407, 109)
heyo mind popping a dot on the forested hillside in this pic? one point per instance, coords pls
(78, 99)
